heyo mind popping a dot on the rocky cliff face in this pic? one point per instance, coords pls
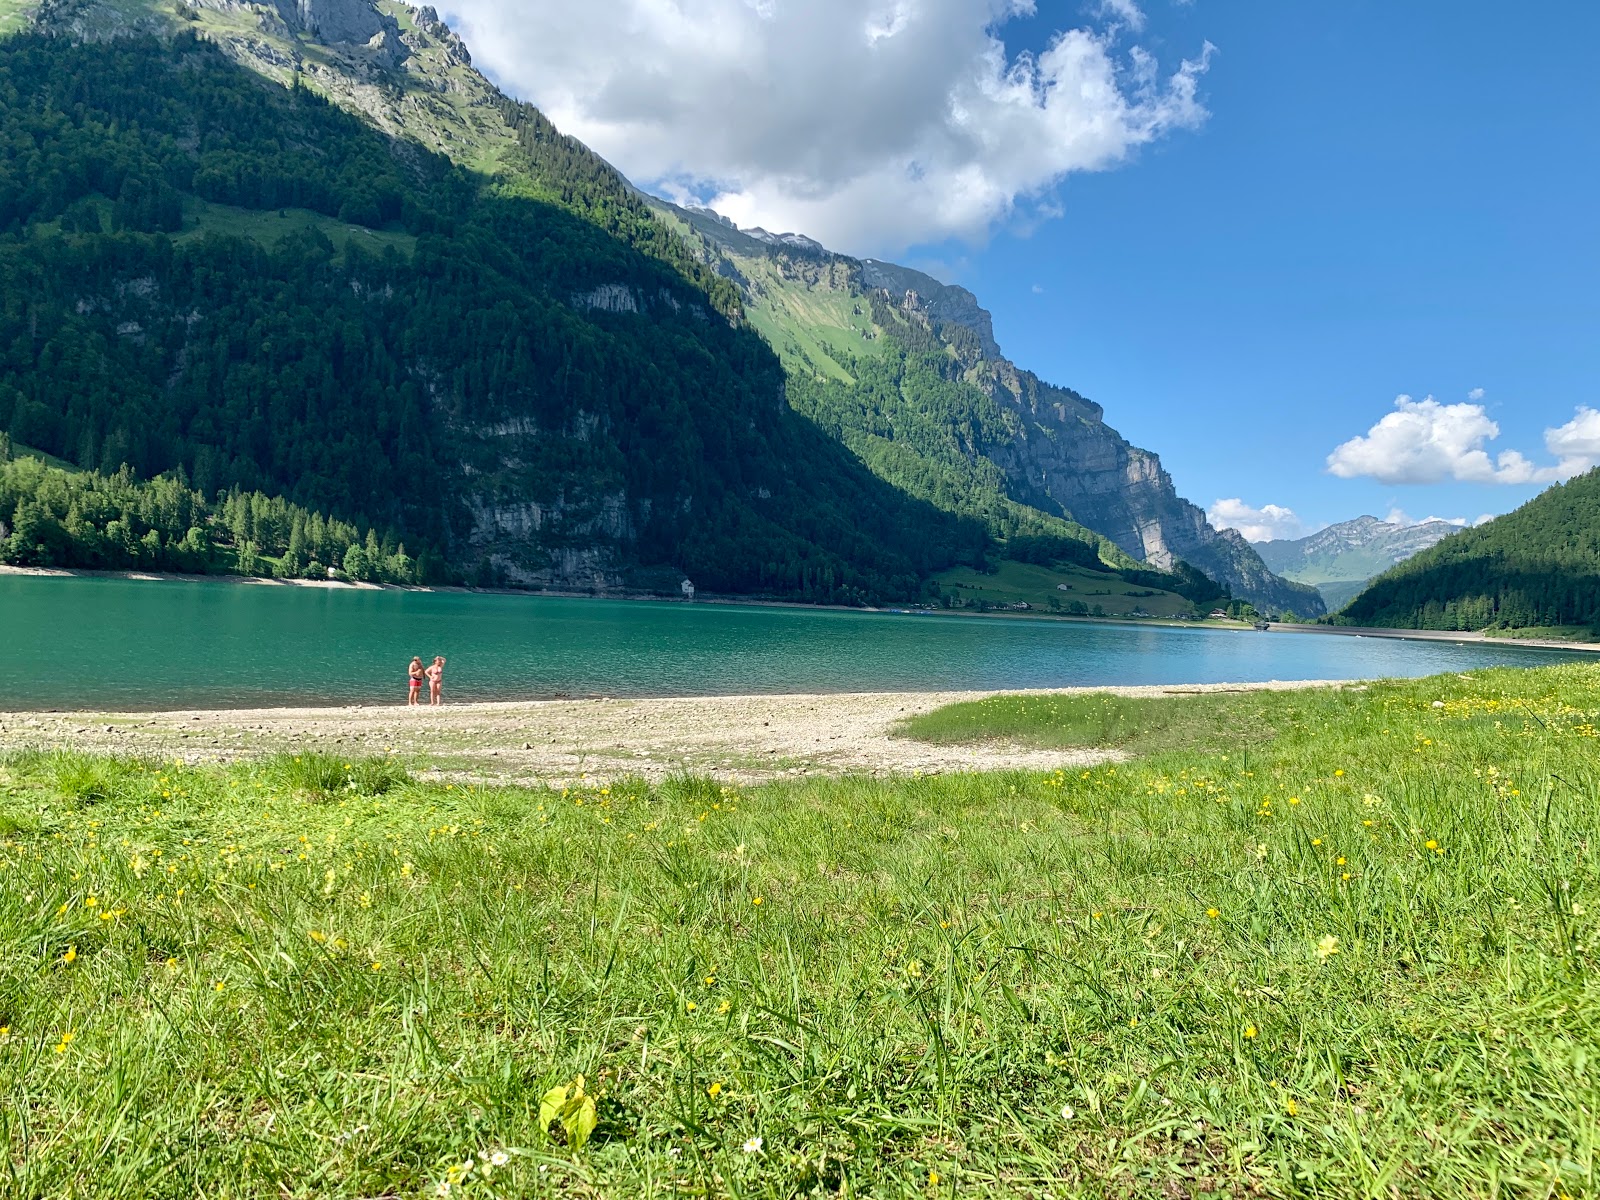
(1058, 454)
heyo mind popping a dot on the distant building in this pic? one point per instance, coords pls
(1063, 587)
(688, 589)
(1216, 614)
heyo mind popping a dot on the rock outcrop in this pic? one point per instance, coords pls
(1058, 454)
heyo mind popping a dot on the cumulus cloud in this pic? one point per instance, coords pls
(1577, 443)
(1476, 394)
(1398, 516)
(1263, 524)
(871, 125)
(1424, 441)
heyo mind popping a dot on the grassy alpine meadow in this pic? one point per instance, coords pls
(1355, 957)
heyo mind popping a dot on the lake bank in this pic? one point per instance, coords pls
(1463, 637)
(1348, 930)
(739, 738)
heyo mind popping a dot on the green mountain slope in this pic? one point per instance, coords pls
(906, 372)
(523, 369)
(525, 373)
(1536, 566)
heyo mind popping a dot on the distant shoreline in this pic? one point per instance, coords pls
(1435, 635)
(1419, 635)
(657, 597)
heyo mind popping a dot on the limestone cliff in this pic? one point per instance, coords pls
(1056, 451)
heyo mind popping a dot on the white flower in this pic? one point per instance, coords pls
(1066, 1112)
(674, 1152)
(753, 1146)
(499, 1158)
(443, 1189)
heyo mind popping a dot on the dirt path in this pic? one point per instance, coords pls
(745, 738)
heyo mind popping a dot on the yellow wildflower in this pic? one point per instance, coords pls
(714, 1090)
(1327, 946)
(71, 955)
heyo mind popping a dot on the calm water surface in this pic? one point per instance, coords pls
(97, 643)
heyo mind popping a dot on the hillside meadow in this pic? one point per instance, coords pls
(1350, 953)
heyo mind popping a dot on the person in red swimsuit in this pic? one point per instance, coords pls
(415, 673)
(435, 675)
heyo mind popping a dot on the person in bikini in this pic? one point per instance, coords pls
(415, 675)
(435, 675)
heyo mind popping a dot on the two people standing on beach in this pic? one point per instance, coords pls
(433, 675)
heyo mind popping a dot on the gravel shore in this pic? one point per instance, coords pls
(742, 738)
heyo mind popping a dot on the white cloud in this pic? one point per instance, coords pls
(1125, 11)
(871, 125)
(1262, 524)
(1424, 441)
(1398, 516)
(1476, 394)
(1577, 443)
(1038, 289)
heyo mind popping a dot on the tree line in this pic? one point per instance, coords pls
(419, 391)
(1538, 565)
(52, 517)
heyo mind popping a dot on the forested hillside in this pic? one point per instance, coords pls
(1536, 566)
(55, 517)
(905, 371)
(453, 359)
(303, 249)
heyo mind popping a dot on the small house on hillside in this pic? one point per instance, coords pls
(1216, 614)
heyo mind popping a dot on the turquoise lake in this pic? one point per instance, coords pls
(105, 643)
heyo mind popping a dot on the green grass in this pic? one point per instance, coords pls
(269, 227)
(1213, 721)
(1038, 586)
(1548, 633)
(1360, 964)
(18, 450)
(14, 15)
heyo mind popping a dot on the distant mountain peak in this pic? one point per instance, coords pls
(1341, 558)
(791, 241)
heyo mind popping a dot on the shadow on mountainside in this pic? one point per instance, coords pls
(506, 377)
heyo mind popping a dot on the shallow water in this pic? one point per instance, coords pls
(105, 643)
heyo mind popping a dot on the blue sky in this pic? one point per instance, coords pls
(1385, 199)
(1246, 253)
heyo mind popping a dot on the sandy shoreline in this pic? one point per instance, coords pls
(743, 738)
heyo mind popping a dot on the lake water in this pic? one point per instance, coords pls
(101, 643)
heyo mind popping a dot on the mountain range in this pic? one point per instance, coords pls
(384, 289)
(1340, 560)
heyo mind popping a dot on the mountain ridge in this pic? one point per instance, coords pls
(410, 77)
(1342, 558)
(1051, 445)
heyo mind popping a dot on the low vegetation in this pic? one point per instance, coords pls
(1210, 722)
(1358, 960)
(1064, 588)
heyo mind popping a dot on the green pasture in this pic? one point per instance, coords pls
(1351, 954)
(1039, 586)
